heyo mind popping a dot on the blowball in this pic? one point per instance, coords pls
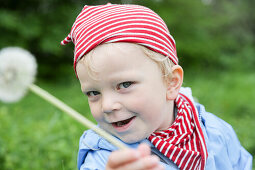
(17, 72)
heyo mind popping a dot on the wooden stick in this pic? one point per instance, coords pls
(74, 114)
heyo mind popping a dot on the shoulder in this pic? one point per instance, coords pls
(216, 129)
(214, 125)
(91, 140)
(93, 151)
(223, 146)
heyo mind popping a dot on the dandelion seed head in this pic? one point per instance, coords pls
(17, 72)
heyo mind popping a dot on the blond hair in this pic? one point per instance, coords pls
(164, 63)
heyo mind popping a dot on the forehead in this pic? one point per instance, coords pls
(114, 54)
(114, 58)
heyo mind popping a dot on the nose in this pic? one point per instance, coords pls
(110, 103)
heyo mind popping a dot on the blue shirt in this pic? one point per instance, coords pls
(224, 149)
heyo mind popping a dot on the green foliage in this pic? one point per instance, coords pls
(39, 26)
(219, 35)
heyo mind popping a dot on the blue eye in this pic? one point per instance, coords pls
(92, 93)
(124, 85)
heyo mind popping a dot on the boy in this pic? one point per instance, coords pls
(126, 62)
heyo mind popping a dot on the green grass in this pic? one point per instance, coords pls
(36, 135)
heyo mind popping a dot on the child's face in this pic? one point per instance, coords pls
(127, 94)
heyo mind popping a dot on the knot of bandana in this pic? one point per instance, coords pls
(111, 23)
(183, 142)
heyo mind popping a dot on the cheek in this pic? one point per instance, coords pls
(144, 105)
(95, 111)
(149, 105)
(148, 98)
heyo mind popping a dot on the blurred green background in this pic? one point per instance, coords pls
(215, 44)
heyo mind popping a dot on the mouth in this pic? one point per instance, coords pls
(123, 125)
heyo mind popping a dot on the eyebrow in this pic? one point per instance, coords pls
(89, 87)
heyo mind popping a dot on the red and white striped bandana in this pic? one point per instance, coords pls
(183, 142)
(120, 23)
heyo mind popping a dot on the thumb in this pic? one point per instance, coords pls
(144, 149)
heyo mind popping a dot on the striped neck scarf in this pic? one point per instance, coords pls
(183, 142)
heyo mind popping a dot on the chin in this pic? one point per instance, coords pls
(129, 139)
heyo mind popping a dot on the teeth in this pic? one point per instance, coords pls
(122, 123)
(119, 123)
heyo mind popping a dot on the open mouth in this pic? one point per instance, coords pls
(123, 122)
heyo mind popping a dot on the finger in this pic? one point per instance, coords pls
(147, 162)
(144, 149)
(122, 157)
(159, 167)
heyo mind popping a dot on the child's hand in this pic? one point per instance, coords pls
(133, 159)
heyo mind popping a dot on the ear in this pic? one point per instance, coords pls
(174, 83)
